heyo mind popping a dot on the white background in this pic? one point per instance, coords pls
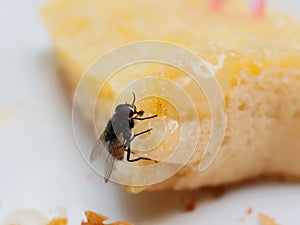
(41, 168)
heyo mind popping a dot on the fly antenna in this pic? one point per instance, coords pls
(133, 99)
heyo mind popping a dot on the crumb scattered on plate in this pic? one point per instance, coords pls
(33, 217)
(249, 211)
(266, 220)
(92, 218)
(58, 221)
(97, 219)
(190, 205)
(25, 217)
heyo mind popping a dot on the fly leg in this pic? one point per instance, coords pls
(145, 118)
(136, 159)
(129, 151)
(138, 134)
(126, 150)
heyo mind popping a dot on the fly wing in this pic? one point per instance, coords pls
(110, 159)
(109, 167)
(100, 145)
(113, 149)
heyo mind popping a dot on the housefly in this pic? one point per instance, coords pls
(117, 136)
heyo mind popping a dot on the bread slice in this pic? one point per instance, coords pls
(256, 62)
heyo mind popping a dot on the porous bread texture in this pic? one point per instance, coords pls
(257, 63)
(262, 136)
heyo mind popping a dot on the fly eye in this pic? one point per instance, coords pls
(131, 112)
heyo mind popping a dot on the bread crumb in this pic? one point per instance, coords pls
(190, 205)
(58, 221)
(266, 220)
(97, 219)
(249, 211)
(92, 218)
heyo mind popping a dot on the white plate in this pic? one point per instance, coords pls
(42, 169)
